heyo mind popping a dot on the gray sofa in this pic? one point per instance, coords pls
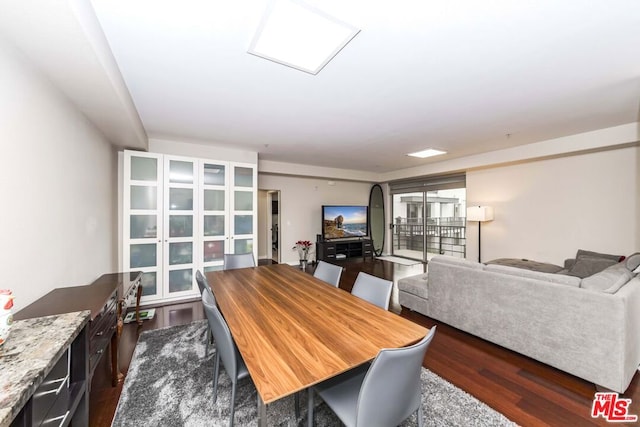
(587, 327)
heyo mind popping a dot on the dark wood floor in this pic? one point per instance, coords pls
(527, 392)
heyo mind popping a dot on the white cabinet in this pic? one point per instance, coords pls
(228, 219)
(181, 214)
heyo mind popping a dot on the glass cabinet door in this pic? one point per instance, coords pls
(142, 219)
(180, 225)
(181, 214)
(243, 198)
(214, 178)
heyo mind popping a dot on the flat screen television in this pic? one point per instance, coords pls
(341, 222)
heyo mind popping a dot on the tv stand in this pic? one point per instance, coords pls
(335, 250)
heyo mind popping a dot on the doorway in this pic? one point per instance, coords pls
(269, 247)
(273, 224)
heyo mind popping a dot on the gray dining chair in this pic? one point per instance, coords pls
(329, 273)
(201, 281)
(226, 351)
(384, 393)
(203, 285)
(233, 261)
(373, 289)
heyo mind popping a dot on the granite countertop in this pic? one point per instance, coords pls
(29, 354)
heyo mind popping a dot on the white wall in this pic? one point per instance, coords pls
(637, 197)
(57, 186)
(201, 150)
(301, 201)
(545, 210)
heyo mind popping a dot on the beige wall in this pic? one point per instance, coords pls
(545, 210)
(301, 200)
(57, 186)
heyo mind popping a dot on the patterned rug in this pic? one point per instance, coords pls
(170, 383)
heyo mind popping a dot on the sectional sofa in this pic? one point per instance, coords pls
(588, 327)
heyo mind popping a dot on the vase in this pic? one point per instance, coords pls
(303, 264)
(6, 314)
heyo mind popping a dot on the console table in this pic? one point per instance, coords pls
(107, 300)
(332, 250)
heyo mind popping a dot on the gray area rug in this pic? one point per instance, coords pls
(170, 383)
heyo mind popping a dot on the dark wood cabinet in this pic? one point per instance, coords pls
(107, 299)
(336, 250)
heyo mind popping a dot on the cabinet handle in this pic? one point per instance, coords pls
(62, 419)
(100, 351)
(62, 381)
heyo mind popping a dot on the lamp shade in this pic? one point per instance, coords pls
(480, 213)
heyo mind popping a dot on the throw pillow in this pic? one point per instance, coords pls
(582, 252)
(586, 266)
(608, 280)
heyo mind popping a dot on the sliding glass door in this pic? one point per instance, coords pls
(408, 225)
(429, 222)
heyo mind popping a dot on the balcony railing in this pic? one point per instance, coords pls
(444, 236)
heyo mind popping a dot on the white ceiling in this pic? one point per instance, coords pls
(463, 76)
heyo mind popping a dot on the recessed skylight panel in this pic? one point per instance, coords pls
(300, 36)
(429, 152)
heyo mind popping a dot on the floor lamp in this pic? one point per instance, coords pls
(480, 214)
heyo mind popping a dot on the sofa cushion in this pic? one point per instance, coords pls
(416, 285)
(527, 264)
(586, 266)
(547, 277)
(633, 262)
(609, 280)
(460, 262)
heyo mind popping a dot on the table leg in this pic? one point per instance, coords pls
(138, 295)
(262, 412)
(116, 375)
(310, 408)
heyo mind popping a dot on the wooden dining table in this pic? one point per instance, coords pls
(294, 331)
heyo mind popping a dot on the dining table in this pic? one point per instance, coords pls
(294, 330)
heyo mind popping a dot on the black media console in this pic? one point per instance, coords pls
(336, 250)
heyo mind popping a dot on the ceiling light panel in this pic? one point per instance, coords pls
(298, 35)
(430, 152)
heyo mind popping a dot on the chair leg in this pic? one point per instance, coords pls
(419, 414)
(310, 408)
(215, 377)
(233, 403)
